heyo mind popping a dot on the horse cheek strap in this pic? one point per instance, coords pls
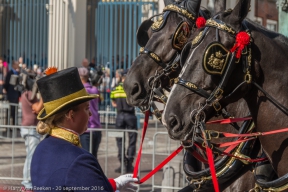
(180, 37)
(215, 58)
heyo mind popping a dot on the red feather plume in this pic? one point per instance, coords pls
(242, 39)
(200, 22)
(50, 70)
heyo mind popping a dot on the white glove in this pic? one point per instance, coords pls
(123, 183)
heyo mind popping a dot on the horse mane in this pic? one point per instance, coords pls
(277, 37)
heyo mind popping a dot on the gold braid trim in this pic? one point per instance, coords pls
(213, 23)
(179, 10)
(66, 135)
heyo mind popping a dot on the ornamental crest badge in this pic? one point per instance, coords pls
(215, 58)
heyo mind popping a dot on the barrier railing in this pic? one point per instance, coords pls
(161, 147)
(6, 118)
(175, 167)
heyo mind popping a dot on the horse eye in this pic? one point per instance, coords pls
(171, 37)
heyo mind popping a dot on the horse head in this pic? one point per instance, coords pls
(158, 40)
(232, 58)
(161, 42)
(210, 74)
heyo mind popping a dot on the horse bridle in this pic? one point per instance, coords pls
(216, 95)
(179, 39)
(226, 70)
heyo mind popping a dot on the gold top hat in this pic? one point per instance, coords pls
(60, 91)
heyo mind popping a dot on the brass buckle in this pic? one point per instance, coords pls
(141, 50)
(208, 135)
(204, 145)
(171, 82)
(215, 106)
(218, 93)
(176, 80)
(248, 78)
(175, 66)
(197, 182)
(163, 97)
(211, 131)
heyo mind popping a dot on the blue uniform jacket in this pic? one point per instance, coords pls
(58, 165)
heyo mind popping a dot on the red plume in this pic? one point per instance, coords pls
(50, 70)
(200, 22)
(242, 39)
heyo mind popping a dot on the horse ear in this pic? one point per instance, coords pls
(193, 6)
(143, 32)
(220, 5)
(241, 10)
(168, 2)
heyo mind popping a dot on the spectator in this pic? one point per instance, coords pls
(5, 64)
(105, 86)
(20, 60)
(24, 66)
(117, 78)
(31, 106)
(126, 119)
(93, 63)
(59, 162)
(94, 120)
(85, 63)
(35, 67)
(3, 72)
(12, 94)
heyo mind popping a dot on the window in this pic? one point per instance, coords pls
(258, 20)
(271, 25)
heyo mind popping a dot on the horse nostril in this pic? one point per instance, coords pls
(136, 89)
(173, 122)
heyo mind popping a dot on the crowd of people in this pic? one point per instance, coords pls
(110, 77)
(125, 119)
(52, 121)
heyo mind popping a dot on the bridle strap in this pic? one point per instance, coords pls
(192, 87)
(274, 101)
(217, 94)
(159, 95)
(153, 56)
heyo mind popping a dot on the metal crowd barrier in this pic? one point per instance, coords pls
(14, 139)
(165, 146)
(172, 168)
(6, 119)
(113, 133)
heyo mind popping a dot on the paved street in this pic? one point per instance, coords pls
(107, 159)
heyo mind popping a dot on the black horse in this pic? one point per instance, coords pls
(144, 67)
(232, 58)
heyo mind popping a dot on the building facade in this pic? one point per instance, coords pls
(63, 32)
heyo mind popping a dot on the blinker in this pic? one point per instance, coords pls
(215, 58)
(180, 37)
